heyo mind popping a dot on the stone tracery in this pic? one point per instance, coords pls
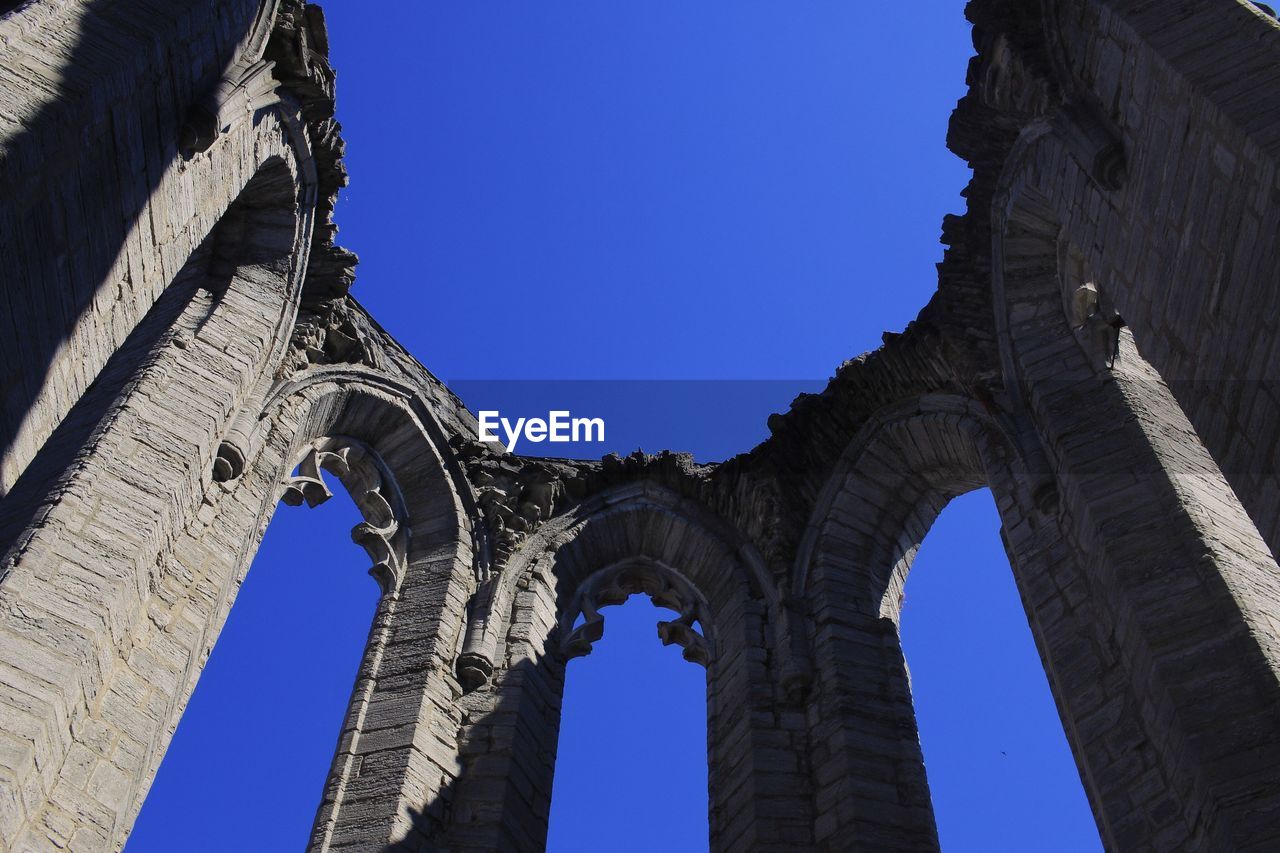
(382, 533)
(614, 585)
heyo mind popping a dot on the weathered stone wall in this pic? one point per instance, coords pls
(175, 165)
(1186, 249)
(100, 210)
(181, 354)
(638, 538)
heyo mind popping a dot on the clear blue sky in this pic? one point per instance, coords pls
(726, 190)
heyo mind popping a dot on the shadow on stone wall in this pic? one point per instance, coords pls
(483, 805)
(68, 202)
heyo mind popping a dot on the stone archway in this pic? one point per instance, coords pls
(379, 439)
(125, 474)
(895, 477)
(634, 538)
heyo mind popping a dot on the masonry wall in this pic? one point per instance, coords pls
(181, 353)
(100, 211)
(152, 287)
(633, 539)
(1187, 248)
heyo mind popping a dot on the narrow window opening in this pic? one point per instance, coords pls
(631, 768)
(248, 762)
(1000, 772)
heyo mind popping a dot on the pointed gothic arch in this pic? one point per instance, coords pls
(633, 538)
(892, 481)
(377, 437)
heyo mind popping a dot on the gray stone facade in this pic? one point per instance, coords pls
(180, 354)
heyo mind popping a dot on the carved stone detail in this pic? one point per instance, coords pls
(247, 87)
(327, 336)
(614, 586)
(228, 465)
(474, 670)
(382, 533)
(515, 497)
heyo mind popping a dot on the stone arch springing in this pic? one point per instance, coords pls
(636, 538)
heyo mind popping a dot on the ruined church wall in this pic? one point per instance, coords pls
(1187, 248)
(89, 542)
(99, 212)
(638, 538)
(124, 551)
(157, 290)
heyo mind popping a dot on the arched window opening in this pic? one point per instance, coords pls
(631, 766)
(249, 760)
(1001, 774)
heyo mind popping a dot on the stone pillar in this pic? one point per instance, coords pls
(1181, 584)
(123, 548)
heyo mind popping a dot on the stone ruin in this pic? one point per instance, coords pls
(180, 354)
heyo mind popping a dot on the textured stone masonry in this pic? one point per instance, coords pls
(179, 354)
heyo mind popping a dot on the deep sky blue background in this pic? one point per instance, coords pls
(729, 190)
